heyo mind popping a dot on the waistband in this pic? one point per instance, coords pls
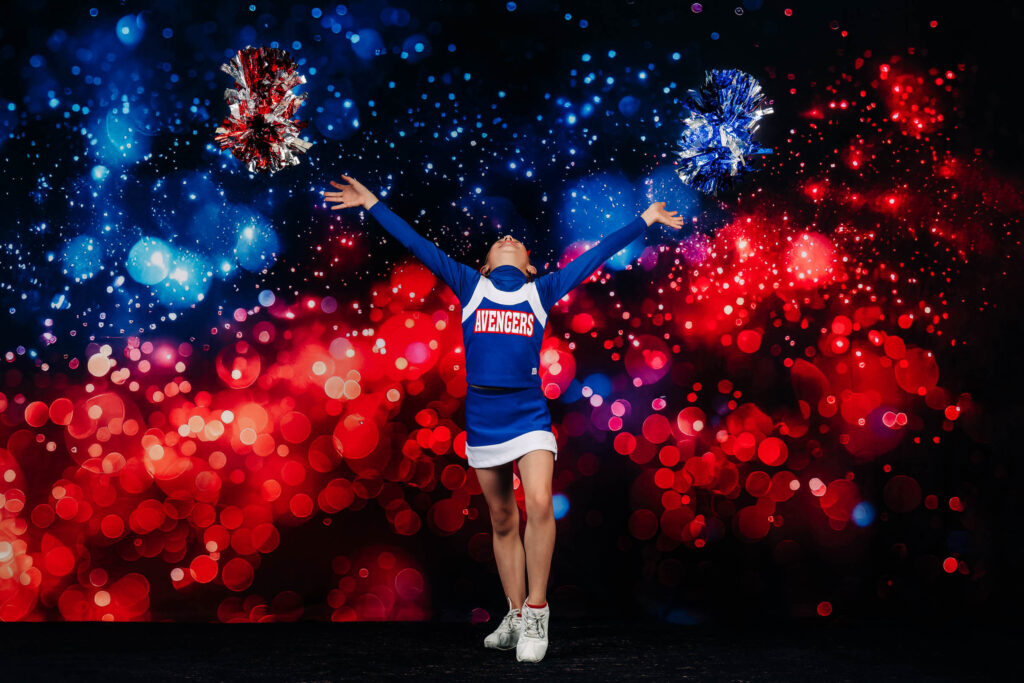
(499, 390)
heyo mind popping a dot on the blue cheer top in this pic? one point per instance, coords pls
(504, 315)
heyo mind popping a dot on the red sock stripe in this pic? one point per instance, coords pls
(537, 606)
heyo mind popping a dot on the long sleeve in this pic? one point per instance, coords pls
(460, 277)
(554, 286)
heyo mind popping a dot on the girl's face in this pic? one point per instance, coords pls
(508, 251)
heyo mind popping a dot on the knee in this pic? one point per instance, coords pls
(539, 507)
(505, 520)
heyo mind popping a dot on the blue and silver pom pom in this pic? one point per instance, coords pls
(717, 142)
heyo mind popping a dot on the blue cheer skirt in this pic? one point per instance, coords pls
(504, 424)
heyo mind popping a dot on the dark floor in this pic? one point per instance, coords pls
(820, 651)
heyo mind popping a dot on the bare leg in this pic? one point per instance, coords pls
(496, 483)
(536, 469)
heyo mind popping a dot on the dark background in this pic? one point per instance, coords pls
(529, 54)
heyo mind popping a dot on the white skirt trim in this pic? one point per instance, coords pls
(513, 449)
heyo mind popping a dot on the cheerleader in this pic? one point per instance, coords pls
(504, 312)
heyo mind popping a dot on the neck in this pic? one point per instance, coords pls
(508, 267)
(507, 277)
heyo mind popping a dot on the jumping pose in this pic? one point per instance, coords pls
(504, 312)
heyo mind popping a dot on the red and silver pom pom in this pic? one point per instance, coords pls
(260, 130)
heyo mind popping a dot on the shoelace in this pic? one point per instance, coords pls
(532, 625)
(507, 622)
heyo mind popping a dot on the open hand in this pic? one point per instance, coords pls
(656, 213)
(353, 194)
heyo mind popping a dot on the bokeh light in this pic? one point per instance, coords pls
(211, 378)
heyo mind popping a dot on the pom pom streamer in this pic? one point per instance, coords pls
(260, 130)
(717, 141)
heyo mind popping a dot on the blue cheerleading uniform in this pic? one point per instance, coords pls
(503, 321)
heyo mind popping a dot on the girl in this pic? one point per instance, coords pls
(504, 312)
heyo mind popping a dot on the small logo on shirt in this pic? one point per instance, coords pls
(534, 371)
(504, 322)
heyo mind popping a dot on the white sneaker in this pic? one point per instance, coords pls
(533, 641)
(506, 635)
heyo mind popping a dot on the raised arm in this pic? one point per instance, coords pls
(554, 286)
(460, 277)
